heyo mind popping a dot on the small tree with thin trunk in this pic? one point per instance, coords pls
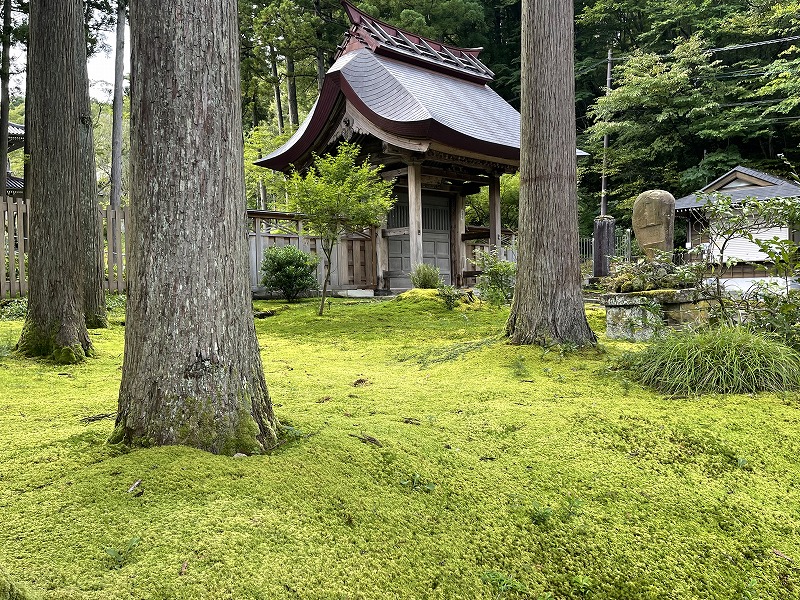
(548, 303)
(339, 196)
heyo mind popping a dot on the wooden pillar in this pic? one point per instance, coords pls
(415, 212)
(494, 214)
(458, 226)
(381, 258)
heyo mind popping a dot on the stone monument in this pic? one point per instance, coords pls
(654, 221)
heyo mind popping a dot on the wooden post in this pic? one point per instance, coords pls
(415, 212)
(3, 210)
(457, 250)
(495, 241)
(381, 257)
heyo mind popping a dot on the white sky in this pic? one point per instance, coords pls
(100, 66)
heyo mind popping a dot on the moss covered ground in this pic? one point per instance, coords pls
(430, 460)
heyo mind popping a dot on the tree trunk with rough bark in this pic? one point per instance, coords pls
(273, 61)
(55, 325)
(291, 93)
(548, 303)
(5, 101)
(117, 109)
(192, 370)
(94, 297)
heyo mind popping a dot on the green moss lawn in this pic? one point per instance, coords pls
(430, 460)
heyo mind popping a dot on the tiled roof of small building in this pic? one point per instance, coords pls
(769, 186)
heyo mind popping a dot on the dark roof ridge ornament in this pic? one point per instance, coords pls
(386, 39)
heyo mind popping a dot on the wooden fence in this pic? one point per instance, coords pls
(355, 252)
(14, 223)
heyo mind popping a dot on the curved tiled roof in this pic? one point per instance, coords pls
(411, 102)
(409, 87)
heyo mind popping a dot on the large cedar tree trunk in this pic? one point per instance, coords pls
(116, 129)
(5, 101)
(192, 371)
(94, 297)
(548, 304)
(54, 325)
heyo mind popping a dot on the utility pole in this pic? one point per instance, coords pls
(603, 190)
(603, 244)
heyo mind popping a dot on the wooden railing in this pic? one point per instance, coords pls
(15, 228)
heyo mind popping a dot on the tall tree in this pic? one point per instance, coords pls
(192, 370)
(55, 325)
(116, 130)
(5, 100)
(548, 303)
(94, 298)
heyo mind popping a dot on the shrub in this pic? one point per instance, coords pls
(13, 309)
(426, 277)
(768, 308)
(724, 360)
(497, 279)
(290, 271)
(450, 295)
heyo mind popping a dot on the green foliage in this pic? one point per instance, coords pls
(289, 270)
(13, 308)
(416, 483)
(426, 277)
(451, 295)
(775, 311)
(726, 360)
(678, 114)
(258, 142)
(503, 584)
(337, 196)
(116, 302)
(119, 557)
(497, 279)
(540, 513)
(477, 205)
(657, 274)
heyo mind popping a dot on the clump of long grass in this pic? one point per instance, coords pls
(729, 360)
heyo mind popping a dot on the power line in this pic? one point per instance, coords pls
(715, 50)
(754, 44)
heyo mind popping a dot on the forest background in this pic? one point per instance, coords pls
(698, 86)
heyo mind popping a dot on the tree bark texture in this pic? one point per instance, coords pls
(117, 109)
(291, 93)
(94, 297)
(55, 325)
(5, 101)
(192, 371)
(273, 61)
(548, 303)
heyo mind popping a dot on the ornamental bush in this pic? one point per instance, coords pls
(497, 279)
(426, 277)
(290, 271)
